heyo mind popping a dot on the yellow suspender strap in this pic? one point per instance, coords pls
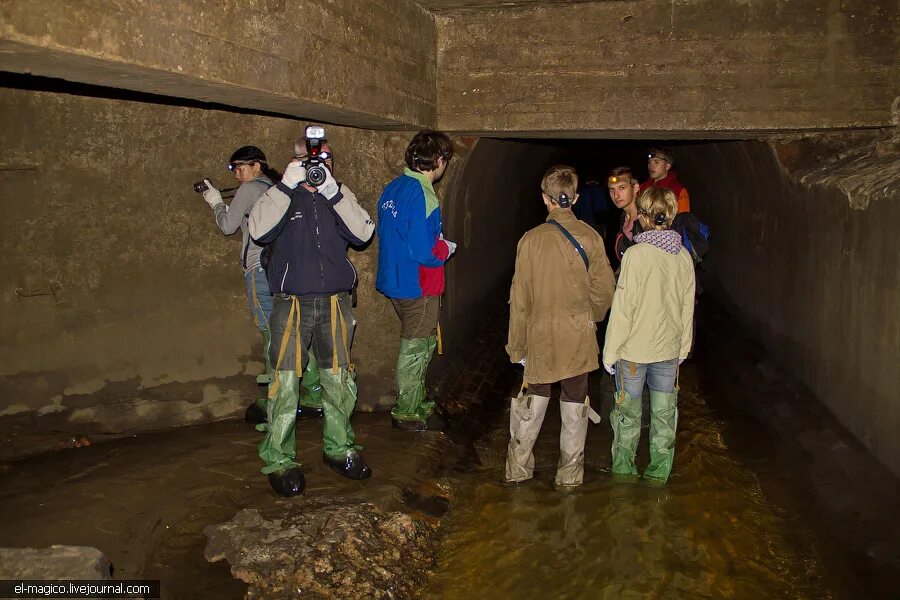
(335, 313)
(440, 342)
(292, 325)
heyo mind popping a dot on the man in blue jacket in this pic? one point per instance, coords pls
(411, 256)
(308, 229)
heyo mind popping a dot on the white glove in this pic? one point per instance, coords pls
(211, 195)
(522, 362)
(611, 369)
(681, 360)
(450, 245)
(329, 187)
(294, 174)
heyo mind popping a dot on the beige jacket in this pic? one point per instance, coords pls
(653, 308)
(554, 301)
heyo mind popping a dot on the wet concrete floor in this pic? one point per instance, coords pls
(729, 524)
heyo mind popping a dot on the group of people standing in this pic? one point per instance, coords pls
(300, 287)
(564, 285)
(296, 232)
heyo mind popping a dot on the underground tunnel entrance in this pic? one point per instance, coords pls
(734, 521)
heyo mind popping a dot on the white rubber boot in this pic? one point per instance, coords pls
(526, 414)
(570, 472)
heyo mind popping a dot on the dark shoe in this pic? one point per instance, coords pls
(309, 412)
(288, 482)
(434, 422)
(255, 414)
(352, 466)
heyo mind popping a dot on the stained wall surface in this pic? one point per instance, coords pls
(654, 68)
(813, 269)
(124, 305)
(367, 64)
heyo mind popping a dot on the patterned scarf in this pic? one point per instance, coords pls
(667, 240)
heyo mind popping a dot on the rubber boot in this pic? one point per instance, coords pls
(310, 406)
(279, 448)
(288, 482)
(625, 419)
(663, 422)
(574, 416)
(526, 414)
(413, 410)
(266, 378)
(339, 443)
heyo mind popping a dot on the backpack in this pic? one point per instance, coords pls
(694, 234)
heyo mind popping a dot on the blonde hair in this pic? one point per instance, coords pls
(560, 179)
(659, 206)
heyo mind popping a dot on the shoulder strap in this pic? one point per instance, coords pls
(575, 243)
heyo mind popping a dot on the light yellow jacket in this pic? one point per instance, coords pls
(653, 307)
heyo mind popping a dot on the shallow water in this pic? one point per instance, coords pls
(710, 532)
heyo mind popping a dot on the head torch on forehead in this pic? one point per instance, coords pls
(614, 179)
(238, 163)
(660, 155)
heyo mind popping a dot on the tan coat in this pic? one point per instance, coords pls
(554, 301)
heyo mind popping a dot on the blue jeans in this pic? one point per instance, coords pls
(261, 301)
(660, 376)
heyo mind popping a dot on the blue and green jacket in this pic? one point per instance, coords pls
(411, 254)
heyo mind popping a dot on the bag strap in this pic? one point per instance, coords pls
(575, 243)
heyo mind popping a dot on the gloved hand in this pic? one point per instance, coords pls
(329, 187)
(211, 195)
(611, 369)
(681, 360)
(451, 246)
(522, 362)
(294, 174)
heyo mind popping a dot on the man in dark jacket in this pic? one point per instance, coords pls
(308, 229)
(623, 191)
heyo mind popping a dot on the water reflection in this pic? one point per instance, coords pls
(709, 533)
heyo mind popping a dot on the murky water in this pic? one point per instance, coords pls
(709, 533)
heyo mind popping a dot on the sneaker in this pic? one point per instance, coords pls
(288, 482)
(352, 466)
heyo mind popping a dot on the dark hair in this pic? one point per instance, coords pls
(426, 147)
(252, 154)
(620, 171)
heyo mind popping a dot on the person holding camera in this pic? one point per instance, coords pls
(411, 256)
(649, 335)
(251, 170)
(308, 219)
(561, 287)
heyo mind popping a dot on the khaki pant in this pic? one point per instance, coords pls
(418, 317)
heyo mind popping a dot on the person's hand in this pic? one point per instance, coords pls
(451, 246)
(611, 369)
(329, 187)
(681, 360)
(522, 362)
(211, 195)
(294, 174)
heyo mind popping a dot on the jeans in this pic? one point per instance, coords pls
(259, 298)
(659, 376)
(315, 331)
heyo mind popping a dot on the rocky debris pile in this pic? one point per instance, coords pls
(55, 562)
(321, 548)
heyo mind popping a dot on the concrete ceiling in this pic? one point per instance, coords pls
(445, 5)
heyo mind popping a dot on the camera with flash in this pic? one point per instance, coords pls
(316, 171)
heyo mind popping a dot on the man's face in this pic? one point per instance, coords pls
(658, 168)
(622, 192)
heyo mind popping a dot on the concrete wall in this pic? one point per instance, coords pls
(124, 305)
(813, 269)
(367, 64)
(664, 68)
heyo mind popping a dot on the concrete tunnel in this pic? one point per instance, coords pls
(124, 310)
